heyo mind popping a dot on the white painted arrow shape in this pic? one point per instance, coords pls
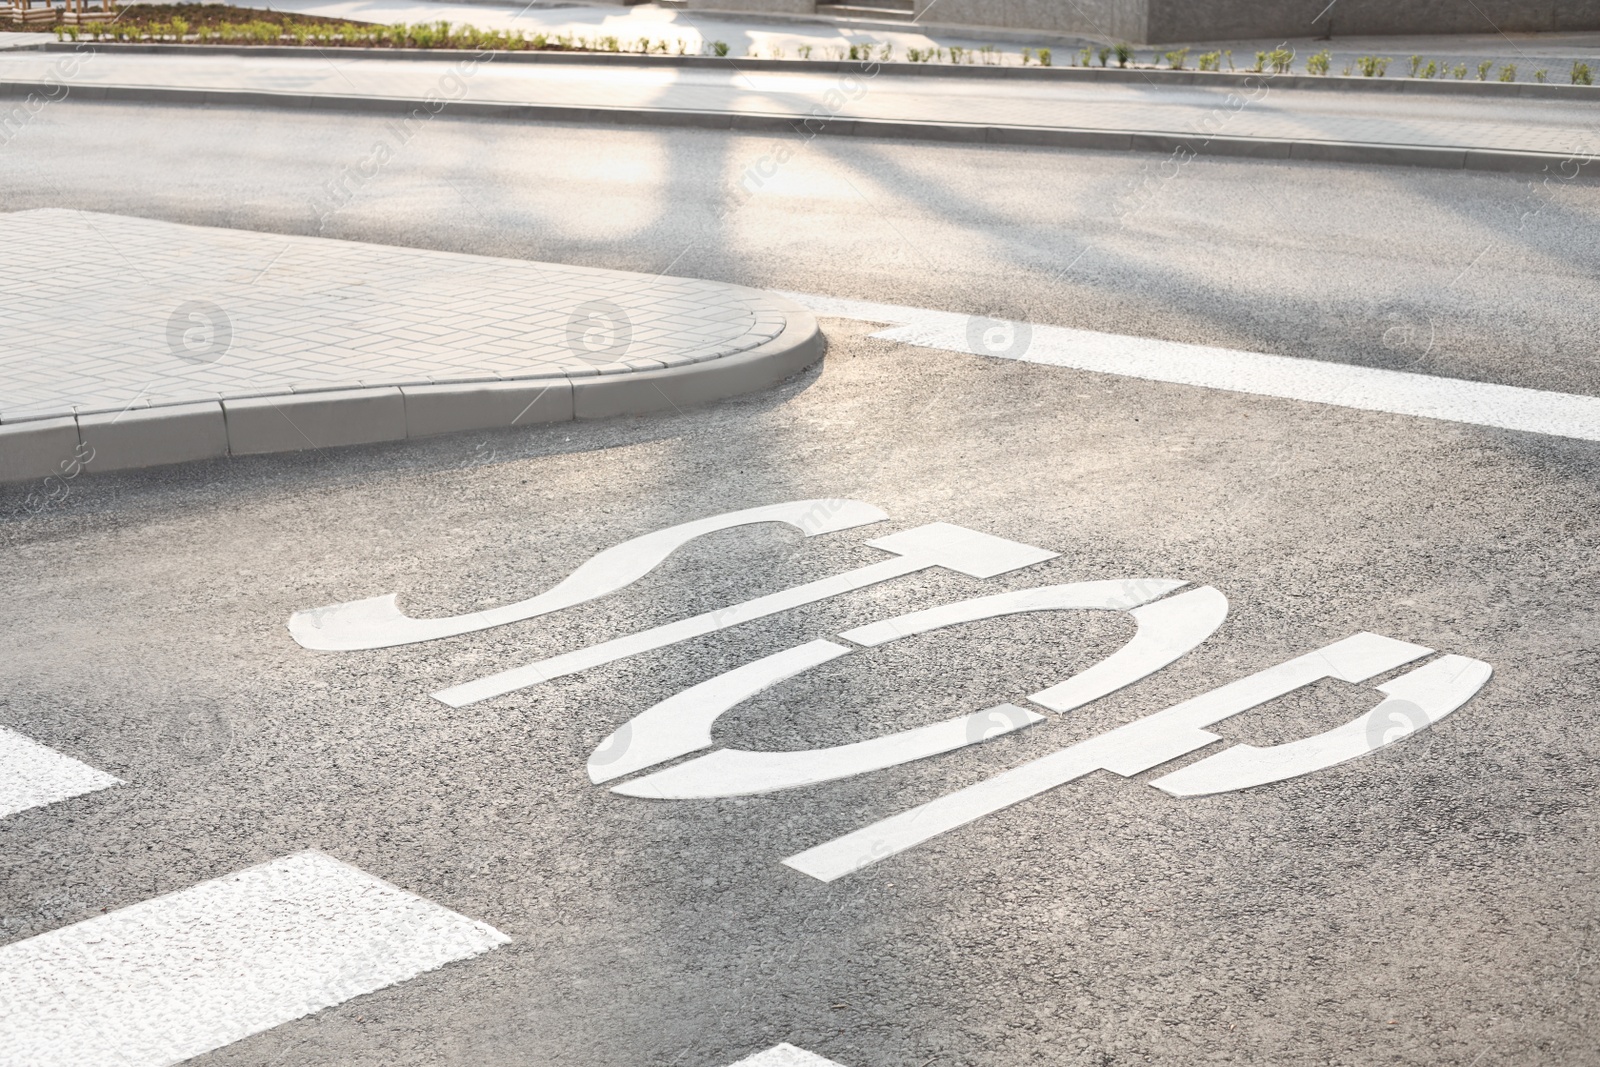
(32, 775)
(378, 622)
(785, 1055)
(937, 544)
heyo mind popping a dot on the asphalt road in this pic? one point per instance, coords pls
(1483, 276)
(1428, 903)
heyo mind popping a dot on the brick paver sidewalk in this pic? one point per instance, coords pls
(131, 343)
(100, 313)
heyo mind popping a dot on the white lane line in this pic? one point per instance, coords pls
(1506, 407)
(32, 775)
(166, 979)
(785, 1055)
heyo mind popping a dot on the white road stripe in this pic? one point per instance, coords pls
(161, 981)
(1341, 385)
(32, 775)
(785, 1055)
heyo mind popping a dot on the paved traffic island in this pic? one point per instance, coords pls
(130, 343)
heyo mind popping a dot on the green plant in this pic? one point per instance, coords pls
(61, 31)
(1209, 61)
(1416, 61)
(1228, 55)
(804, 50)
(1124, 53)
(1538, 75)
(886, 51)
(1372, 66)
(1459, 71)
(1261, 63)
(720, 48)
(1027, 56)
(1103, 55)
(1085, 55)
(1175, 59)
(956, 54)
(1044, 57)
(990, 55)
(1319, 63)
(1484, 68)
(1581, 74)
(1346, 72)
(1282, 59)
(1431, 70)
(1508, 73)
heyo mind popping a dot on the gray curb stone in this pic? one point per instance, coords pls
(36, 449)
(151, 437)
(315, 420)
(799, 345)
(156, 436)
(976, 71)
(436, 409)
(1443, 157)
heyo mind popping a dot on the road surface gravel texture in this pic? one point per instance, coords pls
(1429, 903)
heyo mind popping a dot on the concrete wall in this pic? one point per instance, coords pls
(1203, 20)
(1162, 21)
(1119, 20)
(781, 7)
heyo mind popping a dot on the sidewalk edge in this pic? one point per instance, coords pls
(161, 436)
(1150, 76)
(1448, 157)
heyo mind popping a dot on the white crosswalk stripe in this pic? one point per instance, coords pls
(166, 979)
(32, 775)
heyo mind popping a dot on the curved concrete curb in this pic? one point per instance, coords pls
(974, 71)
(290, 422)
(1446, 157)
